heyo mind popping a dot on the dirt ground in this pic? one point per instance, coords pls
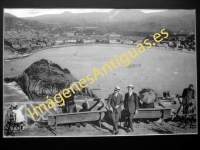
(93, 129)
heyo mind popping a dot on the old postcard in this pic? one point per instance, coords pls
(99, 72)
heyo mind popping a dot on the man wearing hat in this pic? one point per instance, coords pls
(131, 106)
(115, 101)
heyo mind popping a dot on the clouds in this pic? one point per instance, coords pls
(38, 12)
(33, 12)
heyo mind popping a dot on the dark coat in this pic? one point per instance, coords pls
(114, 101)
(131, 102)
(70, 100)
(184, 95)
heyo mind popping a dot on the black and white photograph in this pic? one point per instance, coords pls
(93, 72)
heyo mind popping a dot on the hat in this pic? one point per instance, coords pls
(84, 105)
(190, 85)
(117, 88)
(14, 104)
(130, 86)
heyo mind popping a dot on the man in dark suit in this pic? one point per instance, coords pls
(115, 101)
(188, 95)
(131, 106)
(70, 106)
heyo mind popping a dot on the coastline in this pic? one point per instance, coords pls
(97, 44)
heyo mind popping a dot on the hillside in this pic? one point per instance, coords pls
(126, 20)
(12, 22)
(121, 21)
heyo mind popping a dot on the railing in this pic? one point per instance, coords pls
(46, 113)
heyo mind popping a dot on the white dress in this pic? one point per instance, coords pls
(19, 115)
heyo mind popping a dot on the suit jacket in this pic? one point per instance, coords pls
(70, 100)
(131, 102)
(114, 101)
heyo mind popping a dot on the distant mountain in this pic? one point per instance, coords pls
(71, 19)
(127, 15)
(90, 18)
(123, 20)
(13, 22)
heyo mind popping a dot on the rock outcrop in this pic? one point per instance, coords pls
(44, 78)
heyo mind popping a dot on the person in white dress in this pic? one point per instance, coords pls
(19, 116)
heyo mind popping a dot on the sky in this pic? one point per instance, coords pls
(38, 12)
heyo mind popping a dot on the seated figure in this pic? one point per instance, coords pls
(166, 94)
(9, 121)
(85, 109)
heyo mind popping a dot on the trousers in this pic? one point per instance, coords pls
(115, 119)
(69, 109)
(130, 120)
(72, 108)
(185, 108)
